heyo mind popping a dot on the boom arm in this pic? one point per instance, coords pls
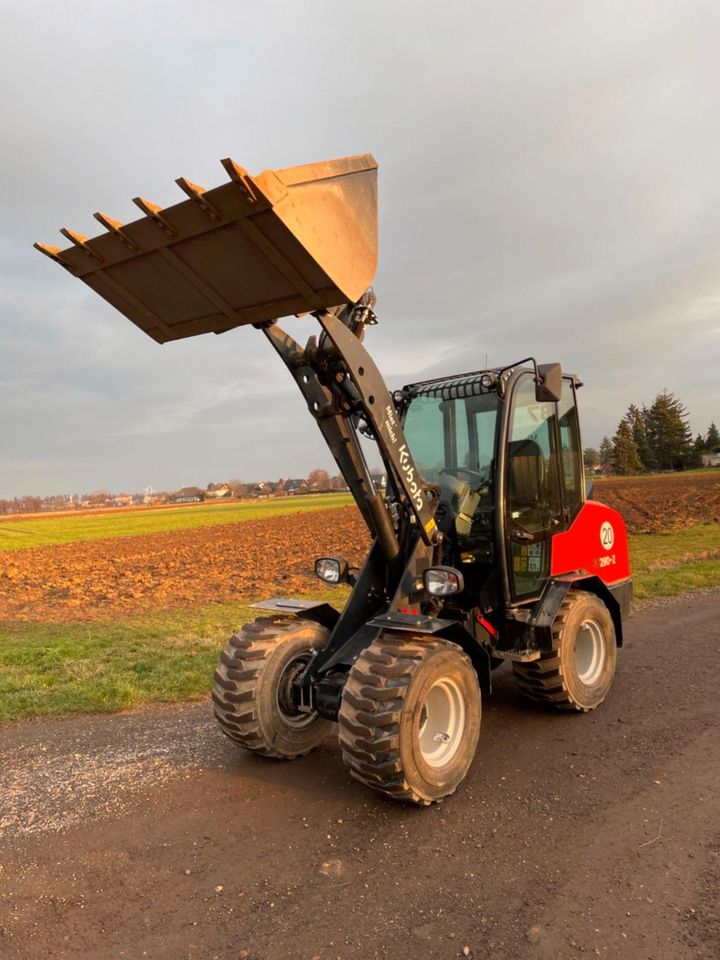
(379, 412)
(342, 386)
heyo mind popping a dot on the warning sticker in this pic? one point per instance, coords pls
(535, 555)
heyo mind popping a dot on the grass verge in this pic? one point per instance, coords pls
(666, 564)
(50, 669)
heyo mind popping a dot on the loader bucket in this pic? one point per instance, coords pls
(252, 250)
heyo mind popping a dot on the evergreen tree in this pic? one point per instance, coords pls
(696, 453)
(638, 419)
(626, 457)
(591, 458)
(712, 440)
(668, 432)
(606, 455)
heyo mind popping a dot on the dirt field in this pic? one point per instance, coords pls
(665, 502)
(98, 579)
(149, 835)
(102, 578)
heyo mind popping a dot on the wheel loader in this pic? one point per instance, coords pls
(484, 546)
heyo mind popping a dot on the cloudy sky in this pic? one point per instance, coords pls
(549, 184)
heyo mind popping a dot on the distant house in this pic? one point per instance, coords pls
(223, 490)
(187, 495)
(294, 487)
(711, 459)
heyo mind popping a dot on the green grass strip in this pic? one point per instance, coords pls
(50, 669)
(18, 534)
(666, 564)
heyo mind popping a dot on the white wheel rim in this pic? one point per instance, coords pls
(589, 652)
(442, 722)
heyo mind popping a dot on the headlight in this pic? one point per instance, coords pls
(331, 569)
(443, 581)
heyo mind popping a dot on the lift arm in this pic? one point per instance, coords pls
(343, 388)
(378, 410)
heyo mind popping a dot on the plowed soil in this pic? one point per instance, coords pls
(667, 502)
(132, 575)
(242, 561)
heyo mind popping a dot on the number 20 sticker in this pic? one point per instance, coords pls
(607, 535)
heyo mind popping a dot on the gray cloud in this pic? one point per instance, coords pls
(548, 178)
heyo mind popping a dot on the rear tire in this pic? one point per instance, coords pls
(410, 718)
(252, 689)
(578, 672)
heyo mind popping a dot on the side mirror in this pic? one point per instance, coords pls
(332, 569)
(443, 581)
(549, 390)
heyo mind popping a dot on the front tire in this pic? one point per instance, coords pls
(409, 720)
(578, 672)
(252, 693)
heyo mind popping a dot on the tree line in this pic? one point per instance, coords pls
(657, 437)
(317, 481)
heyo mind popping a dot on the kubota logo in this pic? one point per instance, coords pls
(607, 535)
(408, 469)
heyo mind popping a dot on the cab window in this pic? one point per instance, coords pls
(533, 491)
(570, 451)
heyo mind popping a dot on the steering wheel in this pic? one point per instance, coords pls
(450, 471)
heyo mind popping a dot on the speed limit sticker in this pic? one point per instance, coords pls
(607, 535)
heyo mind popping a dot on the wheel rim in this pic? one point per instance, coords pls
(442, 722)
(284, 692)
(589, 652)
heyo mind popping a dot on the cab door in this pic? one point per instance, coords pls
(533, 490)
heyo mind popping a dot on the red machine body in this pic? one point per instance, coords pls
(596, 543)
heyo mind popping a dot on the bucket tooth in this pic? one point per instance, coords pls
(241, 177)
(252, 249)
(154, 212)
(54, 254)
(80, 241)
(116, 227)
(198, 194)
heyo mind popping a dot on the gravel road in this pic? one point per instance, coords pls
(148, 835)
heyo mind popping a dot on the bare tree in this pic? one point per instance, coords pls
(318, 480)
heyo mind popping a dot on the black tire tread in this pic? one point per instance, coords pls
(543, 680)
(371, 709)
(237, 677)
